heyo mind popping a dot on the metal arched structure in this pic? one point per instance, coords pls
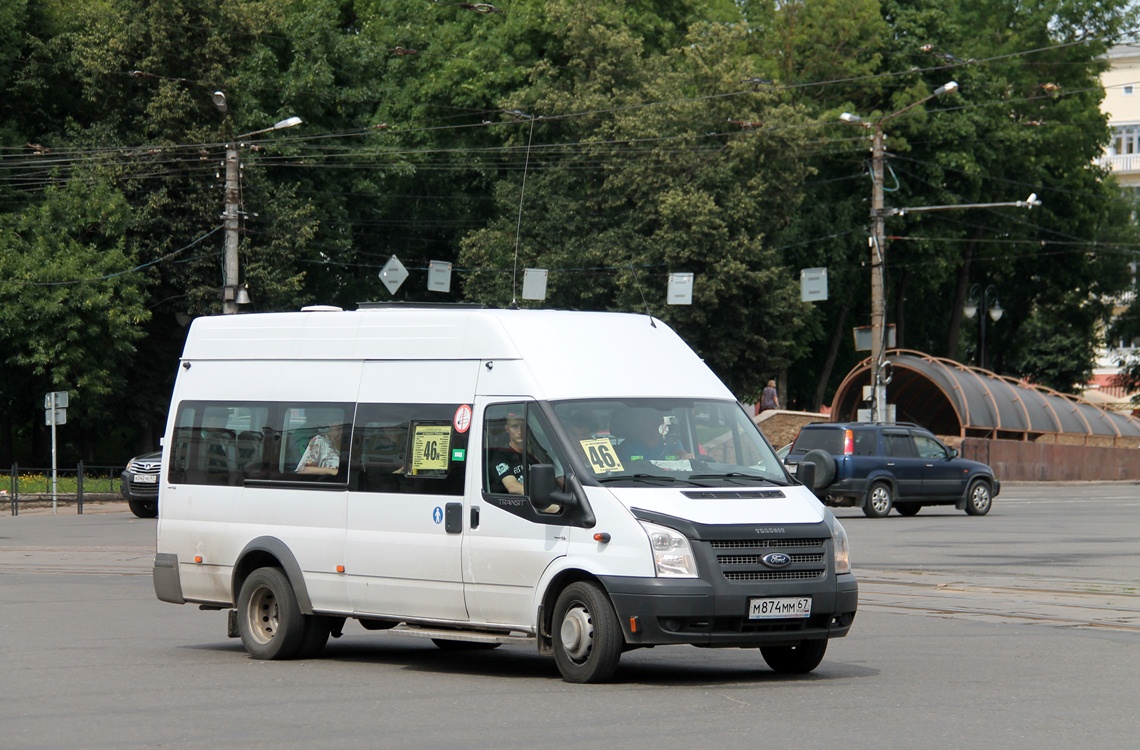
(950, 398)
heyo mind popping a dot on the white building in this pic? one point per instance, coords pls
(1122, 106)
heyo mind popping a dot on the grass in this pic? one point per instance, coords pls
(66, 484)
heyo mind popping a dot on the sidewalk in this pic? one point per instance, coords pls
(40, 507)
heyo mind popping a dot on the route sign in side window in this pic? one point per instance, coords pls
(410, 448)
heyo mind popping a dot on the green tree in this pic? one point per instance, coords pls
(72, 310)
(643, 164)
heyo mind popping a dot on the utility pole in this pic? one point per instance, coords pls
(230, 217)
(233, 293)
(878, 247)
(878, 304)
(878, 240)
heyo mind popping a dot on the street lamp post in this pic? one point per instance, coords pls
(988, 298)
(878, 247)
(234, 294)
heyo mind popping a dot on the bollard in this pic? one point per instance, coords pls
(15, 490)
(79, 488)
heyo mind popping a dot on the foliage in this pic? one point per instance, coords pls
(610, 143)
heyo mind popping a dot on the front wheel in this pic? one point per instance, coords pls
(587, 638)
(879, 501)
(979, 500)
(799, 659)
(318, 628)
(269, 621)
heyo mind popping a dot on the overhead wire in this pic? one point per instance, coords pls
(311, 157)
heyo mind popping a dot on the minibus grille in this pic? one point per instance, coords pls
(742, 560)
(811, 557)
(776, 575)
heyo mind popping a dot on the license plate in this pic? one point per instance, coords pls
(146, 478)
(779, 609)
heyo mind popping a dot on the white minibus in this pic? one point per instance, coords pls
(578, 482)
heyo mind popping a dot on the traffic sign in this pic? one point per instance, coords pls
(58, 398)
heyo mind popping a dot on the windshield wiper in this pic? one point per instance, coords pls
(648, 477)
(736, 475)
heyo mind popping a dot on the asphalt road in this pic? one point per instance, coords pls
(1016, 630)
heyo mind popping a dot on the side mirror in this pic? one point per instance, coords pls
(953, 453)
(542, 488)
(805, 474)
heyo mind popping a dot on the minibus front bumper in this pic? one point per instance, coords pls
(658, 611)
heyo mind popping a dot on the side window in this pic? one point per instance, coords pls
(864, 442)
(409, 449)
(504, 454)
(517, 438)
(928, 447)
(899, 445)
(222, 443)
(314, 440)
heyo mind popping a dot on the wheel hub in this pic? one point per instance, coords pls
(263, 615)
(577, 633)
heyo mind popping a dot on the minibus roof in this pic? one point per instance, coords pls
(634, 353)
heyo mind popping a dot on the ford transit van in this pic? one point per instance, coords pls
(580, 483)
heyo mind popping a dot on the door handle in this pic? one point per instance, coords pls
(474, 518)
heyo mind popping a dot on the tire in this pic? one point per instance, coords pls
(144, 508)
(587, 638)
(824, 467)
(978, 498)
(317, 631)
(879, 501)
(269, 622)
(799, 659)
(446, 645)
(908, 509)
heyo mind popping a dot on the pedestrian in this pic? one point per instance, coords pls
(769, 399)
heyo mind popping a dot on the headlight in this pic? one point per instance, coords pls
(842, 551)
(672, 554)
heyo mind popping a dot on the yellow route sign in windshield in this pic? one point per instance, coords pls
(601, 456)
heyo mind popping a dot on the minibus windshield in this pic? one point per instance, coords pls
(705, 443)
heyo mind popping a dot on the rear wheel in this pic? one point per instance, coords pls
(879, 500)
(979, 500)
(908, 509)
(799, 659)
(587, 638)
(269, 621)
(144, 508)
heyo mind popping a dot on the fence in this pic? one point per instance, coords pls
(72, 485)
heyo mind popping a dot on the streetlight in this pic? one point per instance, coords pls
(233, 293)
(878, 246)
(988, 298)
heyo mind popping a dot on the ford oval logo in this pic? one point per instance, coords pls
(776, 560)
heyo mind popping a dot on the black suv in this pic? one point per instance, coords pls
(881, 466)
